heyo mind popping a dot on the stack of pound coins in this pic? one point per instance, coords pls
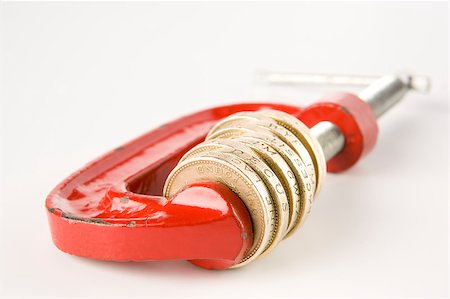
(270, 160)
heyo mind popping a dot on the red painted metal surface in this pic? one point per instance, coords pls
(112, 209)
(206, 222)
(354, 118)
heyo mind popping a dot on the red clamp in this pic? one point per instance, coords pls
(112, 209)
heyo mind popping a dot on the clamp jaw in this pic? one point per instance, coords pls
(114, 208)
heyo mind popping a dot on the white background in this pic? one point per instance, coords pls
(81, 79)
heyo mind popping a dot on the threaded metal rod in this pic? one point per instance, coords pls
(381, 95)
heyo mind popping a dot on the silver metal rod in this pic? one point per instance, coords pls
(329, 137)
(418, 83)
(389, 90)
(290, 78)
(384, 93)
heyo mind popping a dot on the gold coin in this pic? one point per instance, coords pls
(246, 119)
(270, 178)
(281, 168)
(242, 180)
(304, 180)
(301, 131)
(238, 119)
